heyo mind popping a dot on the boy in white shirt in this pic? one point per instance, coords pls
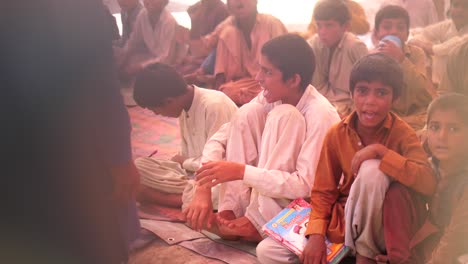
(201, 113)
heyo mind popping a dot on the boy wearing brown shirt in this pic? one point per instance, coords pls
(360, 157)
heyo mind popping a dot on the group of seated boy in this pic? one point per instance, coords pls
(324, 119)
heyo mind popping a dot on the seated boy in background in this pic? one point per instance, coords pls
(416, 93)
(360, 156)
(238, 41)
(336, 51)
(201, 112)
(358, 23)
(204, 15)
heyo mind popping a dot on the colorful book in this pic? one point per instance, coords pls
(289, 226)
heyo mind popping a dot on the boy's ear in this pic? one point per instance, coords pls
(347, 25)
(295, 80)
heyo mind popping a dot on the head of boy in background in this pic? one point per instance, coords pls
(459, 13)
(447, 130)
(242, 8)
(155, 7)
(332, 18)
(127, 5)
(376, 81)
(286, 68)
(391, 20)
(159, 88)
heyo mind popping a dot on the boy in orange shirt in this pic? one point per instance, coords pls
(360, 157)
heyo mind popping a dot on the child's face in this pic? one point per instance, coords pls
(459, 12)
(330, 31)
(372, 101)
(171, 107)
(271, 80)
(393, 26)
(447, 136)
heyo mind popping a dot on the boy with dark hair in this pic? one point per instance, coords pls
(367, 150)
(201, 113)
(358, 23)
(336, 50)
(393, 20)
(271, 145)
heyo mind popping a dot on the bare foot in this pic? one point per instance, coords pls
(241, 227)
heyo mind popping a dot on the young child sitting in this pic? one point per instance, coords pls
(394, 20)
(360, 156)
(438, 235)
(336, 51)
(201, 113)
(272, 146)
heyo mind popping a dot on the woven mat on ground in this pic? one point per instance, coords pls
(179, 234)
(167, 224)
(151, 132)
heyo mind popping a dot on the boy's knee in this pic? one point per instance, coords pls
(269, 251)
(370, 173)
(251, 113)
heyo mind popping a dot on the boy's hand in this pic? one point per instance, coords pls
(374, 151)
(199, 213)
(215, 172)
(390, 49)
(179, 159)
(315, 251)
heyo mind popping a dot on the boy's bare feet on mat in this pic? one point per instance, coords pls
(228, 227)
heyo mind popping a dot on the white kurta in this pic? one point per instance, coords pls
(150, 45)
(209, 111)
(281, 161)
(445, 37)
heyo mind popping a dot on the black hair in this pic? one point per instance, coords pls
(391, 11)
(378, 67)
(155, 83)
(332, 9)
(291, 54)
